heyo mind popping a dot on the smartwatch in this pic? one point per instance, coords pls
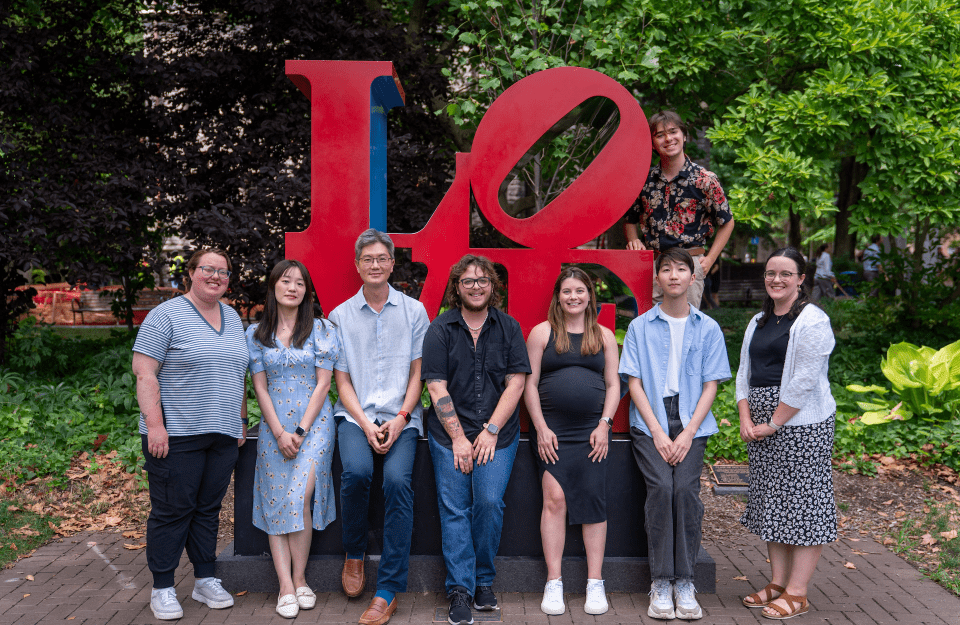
(405, 415)
(608, 421)
(491, 427)
(300, 431)
(773, 426)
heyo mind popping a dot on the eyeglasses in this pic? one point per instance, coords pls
(480, 282)
(368, 261)
(208, 272)
(784, 275)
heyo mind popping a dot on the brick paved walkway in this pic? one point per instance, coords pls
(91, 579)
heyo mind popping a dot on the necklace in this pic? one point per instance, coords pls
(780, 317)
(480, 327)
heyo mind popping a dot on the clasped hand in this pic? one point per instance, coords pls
(289, 444)
(673, 451)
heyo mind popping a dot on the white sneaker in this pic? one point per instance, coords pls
(596, 598)
(164, 604)
(553, 597)
(687, 607)
(661, 600)
(209, 590)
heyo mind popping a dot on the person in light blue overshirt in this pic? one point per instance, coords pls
(673, 359)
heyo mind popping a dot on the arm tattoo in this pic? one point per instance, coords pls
(448, 416)
(509, 377)
(434, 381)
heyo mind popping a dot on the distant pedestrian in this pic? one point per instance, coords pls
(871, 259)
(823, 279)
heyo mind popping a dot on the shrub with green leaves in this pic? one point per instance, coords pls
(925, 383)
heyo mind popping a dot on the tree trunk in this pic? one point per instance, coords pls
(793, 234)
(852, 174)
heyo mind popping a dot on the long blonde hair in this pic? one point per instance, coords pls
(592, 335)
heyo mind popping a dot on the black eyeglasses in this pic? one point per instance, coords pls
(480, 282)
(209, 271)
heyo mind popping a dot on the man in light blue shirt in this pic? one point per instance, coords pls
(378, 415)
(673, 359)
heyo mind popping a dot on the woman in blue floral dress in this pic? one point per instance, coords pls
(291, 360)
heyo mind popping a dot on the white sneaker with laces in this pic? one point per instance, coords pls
(164, 604)
(210, 591)
(685, 595)
(661, 600)
(553, 597)
(596, 602)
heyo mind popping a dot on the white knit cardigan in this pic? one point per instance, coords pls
(804, 384)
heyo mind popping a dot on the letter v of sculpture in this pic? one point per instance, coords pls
(349, 101)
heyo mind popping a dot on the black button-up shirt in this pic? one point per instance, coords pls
(475, 377)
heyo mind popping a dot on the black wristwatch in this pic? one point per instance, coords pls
(300, 431)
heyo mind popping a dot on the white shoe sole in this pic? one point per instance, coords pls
(596, 609)
(214, 605)
(662, 615)
(689, 615)
(553, 610)
(166, 616)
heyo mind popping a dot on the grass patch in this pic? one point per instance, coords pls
(21, 531)
(932, 544)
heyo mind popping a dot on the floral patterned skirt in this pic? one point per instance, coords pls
(791, 480)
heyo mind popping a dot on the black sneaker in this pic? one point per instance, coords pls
(484, 599)
(459, 613)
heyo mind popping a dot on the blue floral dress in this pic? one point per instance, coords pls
(280, 492)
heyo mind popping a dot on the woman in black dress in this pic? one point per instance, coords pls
(571, 396)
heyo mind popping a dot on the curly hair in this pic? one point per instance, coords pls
(451, 296)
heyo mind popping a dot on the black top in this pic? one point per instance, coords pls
(475, 377)
(571, 390)
(768, 350)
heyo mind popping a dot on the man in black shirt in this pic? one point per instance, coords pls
(475, 363)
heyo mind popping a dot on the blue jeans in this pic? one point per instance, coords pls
(471, 514)
(357, 458)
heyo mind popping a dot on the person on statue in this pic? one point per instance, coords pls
(190, 359)
(681, 205)
(291, 362)
(571, 396)
(475, 363)
(379, 418)
(674, 357)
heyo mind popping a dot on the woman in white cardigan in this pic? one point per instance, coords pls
(787, 417)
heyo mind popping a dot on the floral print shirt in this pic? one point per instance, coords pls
(682, 212)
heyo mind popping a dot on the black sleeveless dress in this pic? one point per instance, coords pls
(572, 391)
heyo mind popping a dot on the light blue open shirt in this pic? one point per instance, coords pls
(376, 350)
(646, 350)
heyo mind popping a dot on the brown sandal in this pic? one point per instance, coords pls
(797, 606)
(757, 602)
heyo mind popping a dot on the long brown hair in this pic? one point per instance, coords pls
(592, 334)
(451, 297)
(268, 323)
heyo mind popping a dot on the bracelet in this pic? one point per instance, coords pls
(246, 420)
(405, 415)
(773, 426)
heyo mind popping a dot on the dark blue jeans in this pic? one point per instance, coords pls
(673, 513)
(186, 491)
(358, 458)
(471, 514)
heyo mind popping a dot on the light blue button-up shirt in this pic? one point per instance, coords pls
(646, 350)
(376, 350)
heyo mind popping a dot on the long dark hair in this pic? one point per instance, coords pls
(802, 299)
(268, 323)
(592, 335)
(451, 297)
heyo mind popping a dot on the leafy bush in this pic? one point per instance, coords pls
(926, 382)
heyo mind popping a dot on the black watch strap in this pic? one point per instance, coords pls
(300, 431)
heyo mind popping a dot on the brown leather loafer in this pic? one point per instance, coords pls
(379, 612)
(353, 578)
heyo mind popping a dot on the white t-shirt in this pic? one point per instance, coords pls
(672, 386)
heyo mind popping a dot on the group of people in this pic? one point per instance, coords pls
(380, 347)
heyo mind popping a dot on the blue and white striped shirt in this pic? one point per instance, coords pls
(201, 370)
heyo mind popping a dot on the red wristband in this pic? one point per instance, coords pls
(405, 415)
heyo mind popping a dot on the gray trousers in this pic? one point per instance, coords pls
(673, 513)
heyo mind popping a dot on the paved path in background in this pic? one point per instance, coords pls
(91, 579)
